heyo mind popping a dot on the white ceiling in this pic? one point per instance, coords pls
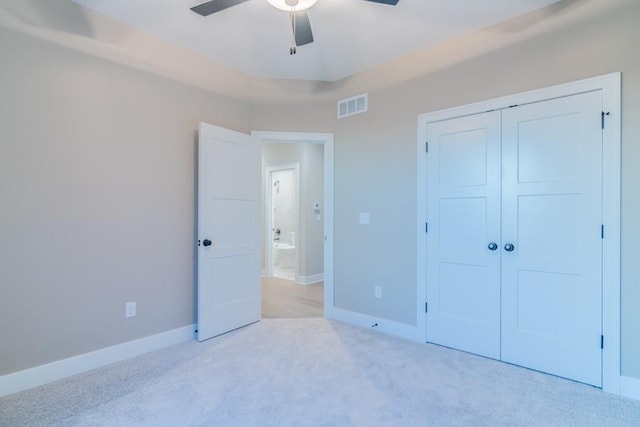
(350, 35)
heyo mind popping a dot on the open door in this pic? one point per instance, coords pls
(228, 231)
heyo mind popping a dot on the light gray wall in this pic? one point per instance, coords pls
(97, 179)
(97, 171)
(312, 181)
(310, 237)
(375, 174)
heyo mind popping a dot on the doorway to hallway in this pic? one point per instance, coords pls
(298, 224)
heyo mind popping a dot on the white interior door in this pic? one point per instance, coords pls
(229, 294)
(463, 207)
(552, 215)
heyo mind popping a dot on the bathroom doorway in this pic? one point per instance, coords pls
(282, 208)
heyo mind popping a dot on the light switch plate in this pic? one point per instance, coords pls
(130, 309)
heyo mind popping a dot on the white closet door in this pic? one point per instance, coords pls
(463, 207)
(552, 214)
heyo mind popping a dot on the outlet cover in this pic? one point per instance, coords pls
(130, 309)
(378, 292)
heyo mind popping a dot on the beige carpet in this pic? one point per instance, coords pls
(314, 372)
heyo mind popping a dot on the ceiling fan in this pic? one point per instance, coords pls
(300, 25)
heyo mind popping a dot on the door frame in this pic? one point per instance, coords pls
(326, 139)
(268, 206)
(610, 85)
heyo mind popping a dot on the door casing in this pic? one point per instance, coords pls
(610, 85)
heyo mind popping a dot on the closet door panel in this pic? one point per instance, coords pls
(552, 213)
(463, 208)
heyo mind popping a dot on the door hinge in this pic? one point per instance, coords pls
(426, 227)
(602, 231)
(426, 147)
(426, 307)
(602, 118)
(601, 341)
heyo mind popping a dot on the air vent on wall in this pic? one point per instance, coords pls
(355, 105)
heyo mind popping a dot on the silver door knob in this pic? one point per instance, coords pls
(493, 246)
(509, 247)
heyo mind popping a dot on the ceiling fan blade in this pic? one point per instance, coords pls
(303, 29)
(213, 6)
(389, 2)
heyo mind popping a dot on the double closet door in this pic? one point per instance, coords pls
(514, 247)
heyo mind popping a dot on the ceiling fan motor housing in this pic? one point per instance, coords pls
(292, 5)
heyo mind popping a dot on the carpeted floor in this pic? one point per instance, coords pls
(314, 372)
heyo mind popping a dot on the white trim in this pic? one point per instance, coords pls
(610, 86)
(388, 327)
(611, 214)
(421, 221)
(327, 140)
(310, 280)
(607, 82)
(54, 371)
(630, 387)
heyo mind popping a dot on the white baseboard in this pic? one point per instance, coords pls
(630, 387)
(310, 280)
(44, 374)
(382, 325)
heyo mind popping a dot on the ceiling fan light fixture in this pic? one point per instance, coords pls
(292, 5)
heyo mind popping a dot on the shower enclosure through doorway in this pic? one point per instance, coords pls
(283, 209)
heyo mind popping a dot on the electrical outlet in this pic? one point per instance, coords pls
(130, 309)
(378, 292)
